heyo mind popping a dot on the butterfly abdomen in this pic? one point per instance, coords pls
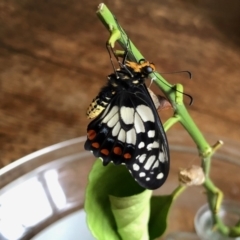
(100, 102)
(115, 84)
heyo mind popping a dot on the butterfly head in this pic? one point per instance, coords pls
(144, 68)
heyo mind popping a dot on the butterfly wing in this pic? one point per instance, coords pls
(151, 166)
(130, 132)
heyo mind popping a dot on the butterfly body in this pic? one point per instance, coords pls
(127, 129)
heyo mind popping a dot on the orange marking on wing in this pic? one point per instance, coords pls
(117, 151)
(127, 155)
(91, 134)
(95, 145)
(105, 151)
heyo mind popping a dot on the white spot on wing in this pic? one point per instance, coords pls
(145, 112)
(122, 135)
(131, 136)
(161, 157)
(138, 124)
(155, 144)
(142, 158)
(160, 176)
(149, 162)
(156, 164)
(136, 167)
(149, 146)
(105, 112)
(112, 112)
(151, 133)
(116, 129)
(127, 114)
(112, 122)
(141, 145)
(142, 174)
(148, 179)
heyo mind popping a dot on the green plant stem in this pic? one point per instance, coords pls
(170, 122)
(110, 23)
(175, 96)
(177, 191)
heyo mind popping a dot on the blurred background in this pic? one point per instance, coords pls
(53, 62)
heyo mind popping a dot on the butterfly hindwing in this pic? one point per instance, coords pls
(151, 166)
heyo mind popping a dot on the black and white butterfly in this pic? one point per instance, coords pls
(127, 129)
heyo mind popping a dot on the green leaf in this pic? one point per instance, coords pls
(132, 215)
(160, 206)
(105, 181)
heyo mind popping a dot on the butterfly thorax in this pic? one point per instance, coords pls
(125, 79)
(122, 81)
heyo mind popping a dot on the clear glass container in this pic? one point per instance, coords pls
(40, 191)
(43, 187)
(229, 214)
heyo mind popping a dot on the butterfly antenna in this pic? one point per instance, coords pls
(188, 72)
(188, 95)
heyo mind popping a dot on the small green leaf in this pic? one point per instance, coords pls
(105, 181)
(132, 215)
(160, 206)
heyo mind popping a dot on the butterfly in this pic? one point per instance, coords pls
(126, 128)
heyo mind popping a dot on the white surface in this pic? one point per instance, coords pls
(72, 227)
(18, 212)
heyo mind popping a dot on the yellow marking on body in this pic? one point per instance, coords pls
(114, 85)
(137, 67)
(135, 82)
(95, 109)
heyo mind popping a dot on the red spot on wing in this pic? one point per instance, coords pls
(127, 156)
(91, 134)
(117, 151)
(95, 145)
(105, 151)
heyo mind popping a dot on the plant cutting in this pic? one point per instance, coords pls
(119, 204)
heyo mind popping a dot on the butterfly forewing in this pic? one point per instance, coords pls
(129, 132)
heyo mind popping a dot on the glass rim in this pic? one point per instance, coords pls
(181, 146)
(9, 172)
